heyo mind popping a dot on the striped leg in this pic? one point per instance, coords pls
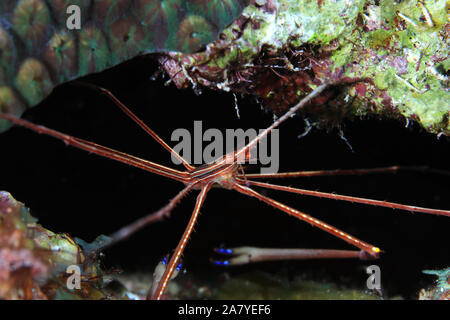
(101, 150)
(138, 121)
(174, 260)
(341, 172)
(128, 230)
(371, 250)
(349, 198)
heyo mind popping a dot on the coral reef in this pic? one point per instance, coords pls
(34, 261)
(39, 51)
(276, 50)
(280, 50)
(441, 290)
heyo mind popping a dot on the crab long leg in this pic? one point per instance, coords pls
(243, 153)
(128, 230)
(138, 121)
(180, 247)
(337, 172)
(371, 250)
(101, 150)
(245, 255)
(316, 92)
(349, 198)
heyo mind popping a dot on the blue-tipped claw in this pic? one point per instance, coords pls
(221, 262)
(164, 262)
(223, 251)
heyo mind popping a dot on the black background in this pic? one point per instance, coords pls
(86, 195)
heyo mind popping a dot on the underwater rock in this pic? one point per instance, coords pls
(280, 50)
(441, 289)
(34, 261)
(260, 285)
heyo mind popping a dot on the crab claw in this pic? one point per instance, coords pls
(159, 271)
(244, 255)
